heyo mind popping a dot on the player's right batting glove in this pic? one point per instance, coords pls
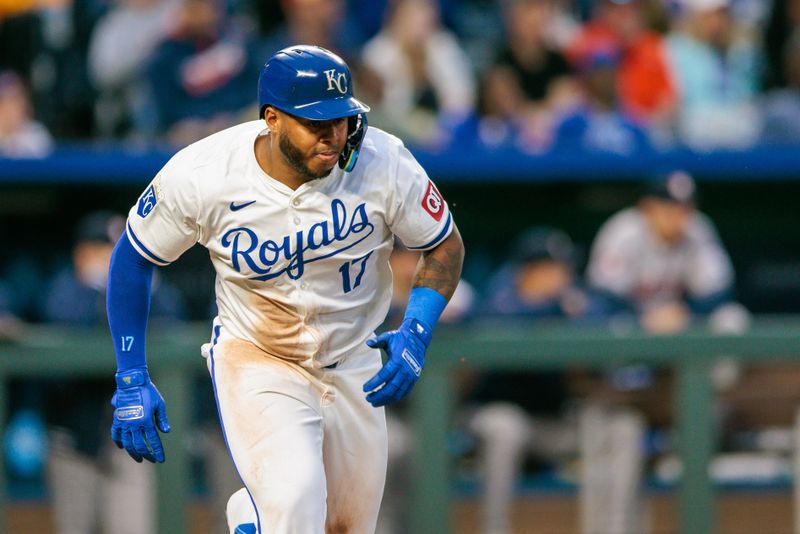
(405, 348)
(139, 409)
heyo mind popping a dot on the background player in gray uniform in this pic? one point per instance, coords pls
(662, 259)
(301, 248)
(662, 263)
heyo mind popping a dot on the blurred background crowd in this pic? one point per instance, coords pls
(621, 77)
(606, 75)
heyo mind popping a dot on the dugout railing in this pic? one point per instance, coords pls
(175, 359)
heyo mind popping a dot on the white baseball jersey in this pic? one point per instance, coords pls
(302, 274)
(629, 261)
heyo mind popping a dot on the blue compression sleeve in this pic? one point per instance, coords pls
(130, 277)
(425, 305)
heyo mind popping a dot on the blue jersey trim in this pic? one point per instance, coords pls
(144, 249)
(222, 424)
(438, 237)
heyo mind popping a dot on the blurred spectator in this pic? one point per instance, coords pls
(647, 91)
(598, 124)
(369, 15)
(662, 259)
(64, 97)
(268, 16)
(93, 485)
(120, 47)
(20, 135)
(783, 22)
(316, 22)
(528, 79)
(716, 69)
(781, 107)
(565, 24)
(525, 413)
(20, 41)
(427, 84)
(200, 77)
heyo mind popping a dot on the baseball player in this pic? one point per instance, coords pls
(662, 259)
(298, 211)
(662, 262)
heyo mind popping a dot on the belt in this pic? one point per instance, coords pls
(334, 365)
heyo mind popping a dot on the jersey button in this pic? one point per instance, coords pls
(297, 220)
(296, 202)
(303, 285)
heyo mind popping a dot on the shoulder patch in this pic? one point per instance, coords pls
(432, 202)
(149, 199)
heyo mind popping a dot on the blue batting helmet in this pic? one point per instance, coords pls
(309, 82)
(316, 84)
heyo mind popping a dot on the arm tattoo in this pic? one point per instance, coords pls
(440, 267)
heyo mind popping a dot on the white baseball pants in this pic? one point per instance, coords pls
(308, 447)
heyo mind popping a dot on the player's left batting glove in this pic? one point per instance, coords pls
(139, 410)
(405, 348)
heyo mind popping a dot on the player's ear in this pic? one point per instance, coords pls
(271, 117)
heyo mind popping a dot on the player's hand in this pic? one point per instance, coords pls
(139, 410)
(406, 348)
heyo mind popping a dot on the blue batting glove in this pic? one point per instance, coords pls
(139, 409)
(405, 348)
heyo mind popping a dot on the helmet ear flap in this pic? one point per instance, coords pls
(356, 130)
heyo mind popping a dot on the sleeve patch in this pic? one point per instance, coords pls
(149, 199)
(433, 203)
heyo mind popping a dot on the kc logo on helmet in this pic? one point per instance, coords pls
(336, 80)
(433, 203)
